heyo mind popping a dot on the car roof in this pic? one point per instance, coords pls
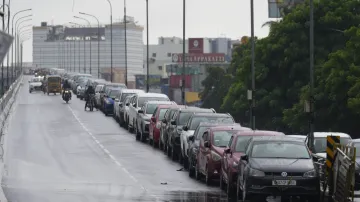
(160, 102)
(276, 138)
(132, 91)
(115, 84)
(153, 95)
(355, 140)
(211, 114)
(297, 136)
(217, 124)
(229, 127)
(174, 106)
(325, 134)
(194, 109)
(261, 133)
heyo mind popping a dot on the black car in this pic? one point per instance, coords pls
(277, 166)
(356, 143)
(165, 124)
(177, 122)
(194, 141)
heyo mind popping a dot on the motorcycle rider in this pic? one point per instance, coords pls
(66, 85)
(43, 85)
(90, 90)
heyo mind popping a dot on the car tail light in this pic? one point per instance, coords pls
(158, 125)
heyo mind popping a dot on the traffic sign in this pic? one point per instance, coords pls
(5, 42)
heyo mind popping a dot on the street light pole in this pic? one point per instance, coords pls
(126, 67)
(184, 58)
(85, 37)
(312, 100)
(98, 37)
(111, 44)
(252, 110)
(147, 45)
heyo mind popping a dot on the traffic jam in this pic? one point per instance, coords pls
(247, 164)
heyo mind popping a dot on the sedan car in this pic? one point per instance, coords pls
(277, 166)
(109, 99)
(232, 154)
(35, 84)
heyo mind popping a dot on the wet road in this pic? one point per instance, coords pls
(60, 153)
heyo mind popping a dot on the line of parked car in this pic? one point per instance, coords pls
(248, 164)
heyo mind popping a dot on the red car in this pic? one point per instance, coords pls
(232, 154)
(155, 123)
(212, 144)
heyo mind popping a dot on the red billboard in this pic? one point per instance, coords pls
(196, 45)
(199, 58)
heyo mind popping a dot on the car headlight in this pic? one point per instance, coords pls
(311, 173)
(107, 101)
(146, 122)
(158, 125)
(215, 156)
(256, 173)
(235, 164)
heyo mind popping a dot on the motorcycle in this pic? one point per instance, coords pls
(91, 102)
(67, 96)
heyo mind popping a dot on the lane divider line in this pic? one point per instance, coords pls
(107, 152)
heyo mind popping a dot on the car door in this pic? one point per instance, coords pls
(140, 117)
(153, 123)
(116, 105)
(132, 110)
(172, 127)
(243, 165)
(203, 151)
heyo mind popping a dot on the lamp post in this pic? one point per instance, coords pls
(84, 38)
(98, 37)
(183, 59)
(252, 111)
(111, 45)
(79, 44)
(125, 23)
(19, 31)
(147, 45)
(312, 100)
(12, 46)
(17, 46)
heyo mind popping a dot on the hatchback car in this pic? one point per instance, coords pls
(277, 166)
(232, 154)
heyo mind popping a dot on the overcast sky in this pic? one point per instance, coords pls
(205, 18)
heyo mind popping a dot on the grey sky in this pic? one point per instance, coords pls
(205, 18)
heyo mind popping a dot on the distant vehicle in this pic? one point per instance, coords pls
(144, 114)
(232, 154)
(107, 87)
(35, 84)
(119, 105)
(282, 166)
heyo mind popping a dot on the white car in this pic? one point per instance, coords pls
(35, 84)
(119, 104)
(138, 101)
(320, 141)
(126, 110)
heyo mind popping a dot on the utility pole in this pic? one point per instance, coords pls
(126, 67)
(252, 110)
(184, 56)
(312, 100)
(147, 46)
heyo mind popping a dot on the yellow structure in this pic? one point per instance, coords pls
(192, 97)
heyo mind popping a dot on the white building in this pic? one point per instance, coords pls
(69, 48)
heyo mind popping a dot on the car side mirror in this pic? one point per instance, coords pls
(153, 119)
(185, 128)
(134, 105)
(120, 104)
(140, 111)
(207, 144)
(173, 122)
(127, 104)
(227, 151)
(191, 138)
(117, 100)
(245, 158)
(164, 120)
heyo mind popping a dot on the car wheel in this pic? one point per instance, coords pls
(180, 158)
(207, 176)
(142, 136)
(239, 192)
(168, 150)
(186, 163)
(222, 183)
(229, 187)
(173, 155)
(191, 169)
(287, 199)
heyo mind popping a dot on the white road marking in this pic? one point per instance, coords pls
(107, 152)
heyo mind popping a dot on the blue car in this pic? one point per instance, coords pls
(109, 100)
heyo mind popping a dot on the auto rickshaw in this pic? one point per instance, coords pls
(53, 84)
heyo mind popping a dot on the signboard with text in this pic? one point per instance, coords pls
(196, 45)
(199, 58)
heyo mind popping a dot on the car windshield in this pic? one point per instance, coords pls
(114, 93)
(199, 131)
(222, 138)
(184, 118)
(35, 80)
(241, 143)
(150, 108)
(320, 143)
(280, 149)
(162, 114)
(142, 100)
(212, 119)
(124, 95)
(357, 146)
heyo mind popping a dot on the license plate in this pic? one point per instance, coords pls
(283, 182)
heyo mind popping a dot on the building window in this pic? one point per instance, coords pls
(169, 54)
(154, 55)
(160, 67)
